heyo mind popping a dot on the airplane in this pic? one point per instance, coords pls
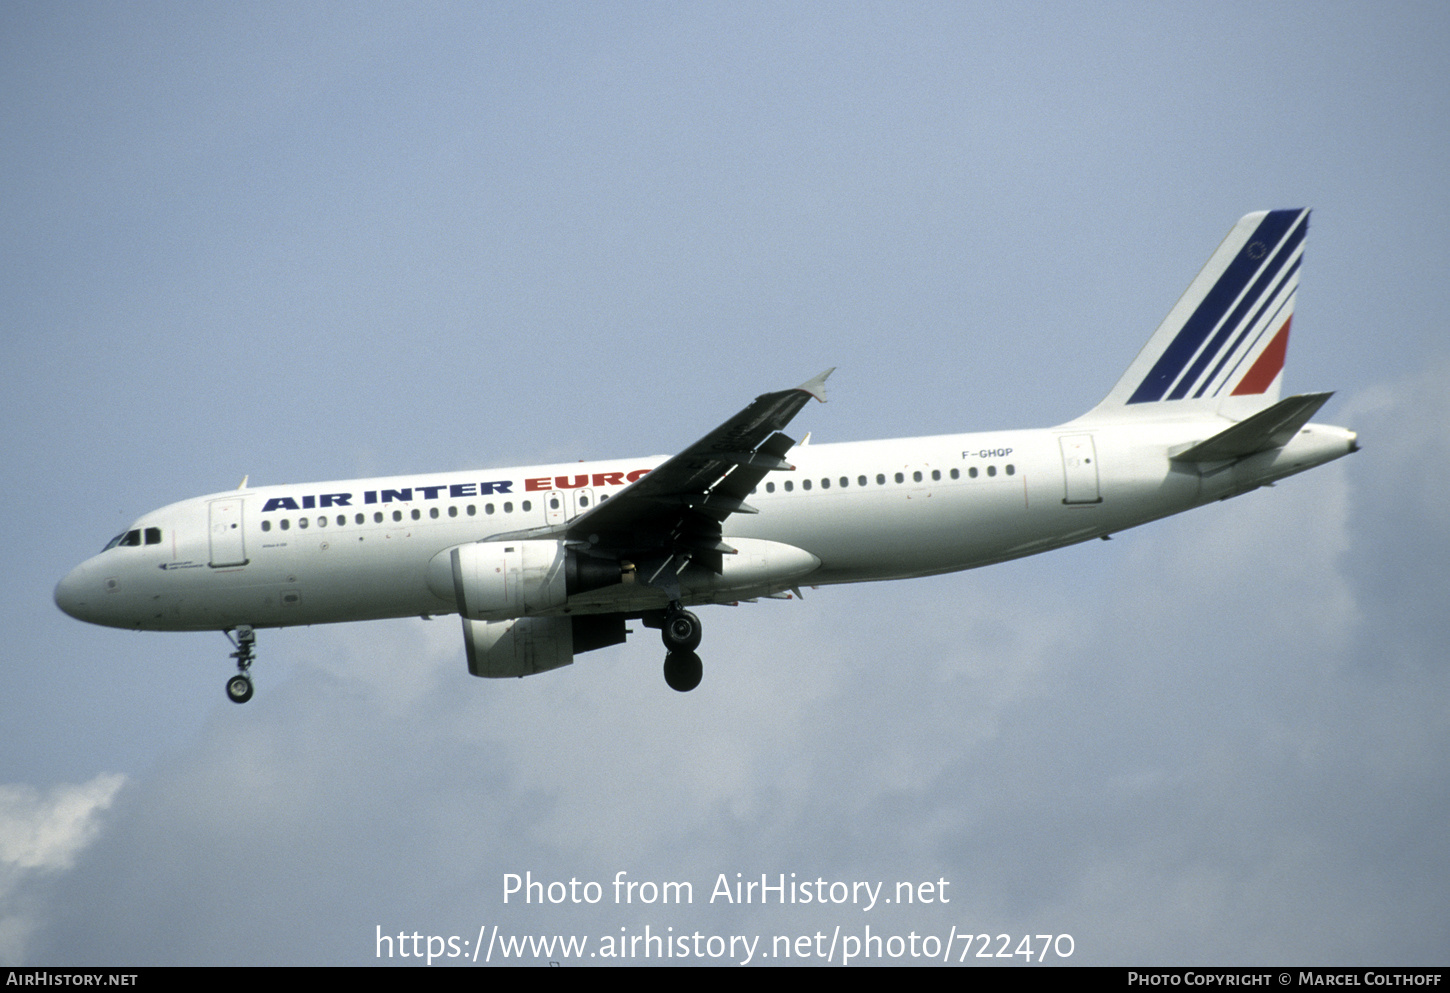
(543, 563)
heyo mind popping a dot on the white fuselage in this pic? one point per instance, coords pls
(361, 549)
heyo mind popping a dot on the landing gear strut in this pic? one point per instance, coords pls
(239, 687)
(681, 634)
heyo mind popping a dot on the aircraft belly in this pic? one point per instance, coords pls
(310, 582)
(946, 526)
(378, 577)
(911, 531)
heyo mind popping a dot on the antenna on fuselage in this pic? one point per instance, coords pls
(243, 484)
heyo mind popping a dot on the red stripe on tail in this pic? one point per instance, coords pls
(1270, 362)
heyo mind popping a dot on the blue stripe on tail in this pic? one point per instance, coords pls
(1268, 238)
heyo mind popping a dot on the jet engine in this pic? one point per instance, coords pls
(527, 645)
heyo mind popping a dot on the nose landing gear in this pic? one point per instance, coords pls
(239, 687)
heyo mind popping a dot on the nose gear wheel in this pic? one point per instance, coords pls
(239, 687)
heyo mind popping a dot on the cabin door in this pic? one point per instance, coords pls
(1079, 469)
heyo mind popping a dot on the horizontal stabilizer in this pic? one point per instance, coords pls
(1274, 427)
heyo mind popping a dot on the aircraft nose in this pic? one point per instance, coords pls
(70, 595)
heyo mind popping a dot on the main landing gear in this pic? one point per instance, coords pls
(239, 687)
(683, 671)
(681, 634)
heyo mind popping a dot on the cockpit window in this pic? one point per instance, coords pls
(151, 536)
(124, 538)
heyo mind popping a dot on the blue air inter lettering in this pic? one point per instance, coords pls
(310, 502)
(402, 495)
(452, 491)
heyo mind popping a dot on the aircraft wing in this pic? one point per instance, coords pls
(675, 512)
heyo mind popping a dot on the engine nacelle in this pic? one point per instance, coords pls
(528, 645)
(519, 647)
(498, 580)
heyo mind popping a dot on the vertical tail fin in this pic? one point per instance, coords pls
(1221, 348)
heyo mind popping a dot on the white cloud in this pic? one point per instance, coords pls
(41, 833)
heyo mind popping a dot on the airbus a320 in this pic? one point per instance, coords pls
(543, 563)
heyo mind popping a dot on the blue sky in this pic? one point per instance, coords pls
(318, 242)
